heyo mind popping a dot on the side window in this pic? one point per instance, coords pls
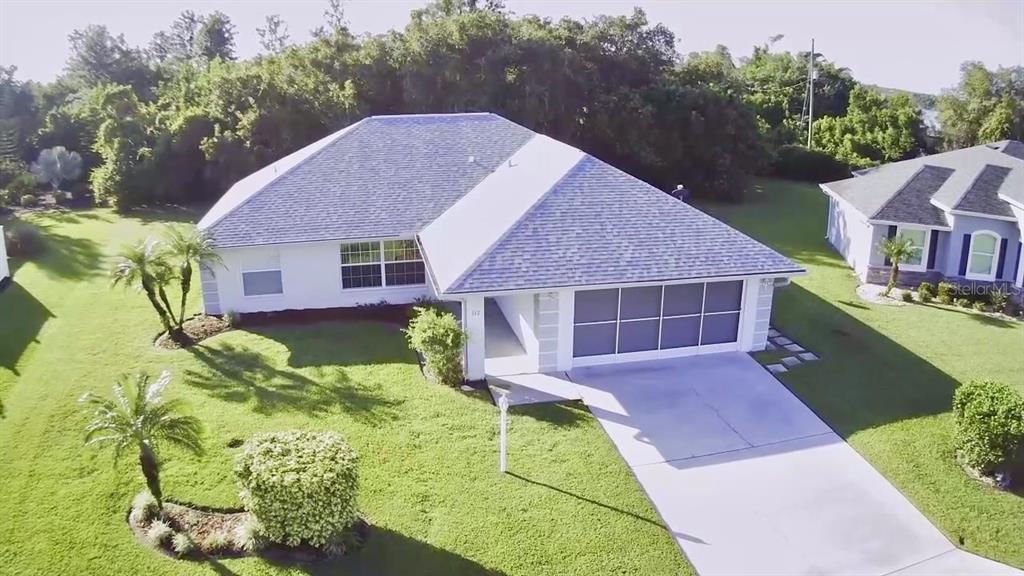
(261, 274)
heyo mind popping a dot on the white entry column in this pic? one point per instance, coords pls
(473, 322)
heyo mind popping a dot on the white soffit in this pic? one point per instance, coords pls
(465, 233)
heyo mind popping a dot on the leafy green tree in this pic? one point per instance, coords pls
(138, 418)
(195, 37)
(216, 38)
(186, 247)
(273, 34)
(876, 129)
(143, 266)
(56, 165)
(97, 57)
(985, 106)
(897, 249)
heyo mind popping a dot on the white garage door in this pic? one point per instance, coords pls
(646, 320)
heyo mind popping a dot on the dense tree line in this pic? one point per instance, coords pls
(180, 120)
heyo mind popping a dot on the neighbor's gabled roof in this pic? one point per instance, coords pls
(978, 180)
(494, 205)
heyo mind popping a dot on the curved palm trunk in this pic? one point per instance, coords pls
(151, 470)
(186, 285)
(894, 274)
(151, 294)
(167, 304)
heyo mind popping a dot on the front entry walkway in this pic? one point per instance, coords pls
(750, 481)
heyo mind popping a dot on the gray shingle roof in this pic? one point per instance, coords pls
(388, 176)
(912, 203)
(971, 179)
(600, 225)
(982, 197)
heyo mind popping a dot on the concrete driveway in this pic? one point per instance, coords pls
(750, 481)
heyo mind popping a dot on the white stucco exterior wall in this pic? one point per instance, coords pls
(963, 224)
(518, 310)
(853, 236)
(310, 277)
(5, 270)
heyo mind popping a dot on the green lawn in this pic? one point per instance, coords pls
(429, 466)
(887, 374)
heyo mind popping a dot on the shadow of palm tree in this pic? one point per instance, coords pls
(350, 343)
(60, 255)
(236, 374)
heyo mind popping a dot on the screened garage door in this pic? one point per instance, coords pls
(652, 318)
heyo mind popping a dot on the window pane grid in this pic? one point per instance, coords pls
(404, 273)
(361, 276)
(401, 251)
(360, 253)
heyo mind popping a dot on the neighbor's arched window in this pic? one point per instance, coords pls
(984, 253)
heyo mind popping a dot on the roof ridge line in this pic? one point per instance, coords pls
(486, 251)
(331, 139)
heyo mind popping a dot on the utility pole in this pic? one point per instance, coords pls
(810, 99)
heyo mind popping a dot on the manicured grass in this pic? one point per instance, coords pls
(887, 374)
(430, 484)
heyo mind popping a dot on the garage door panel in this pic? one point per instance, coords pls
(593, 339)
(638, 336)
(596, 305)
(723, 296)
(680, 332)
(642, 302)
(720, 328)
(683, 299)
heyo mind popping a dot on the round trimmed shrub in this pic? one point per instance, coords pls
(989, 419)
(300, 486)
(29, 201)
(926, 292)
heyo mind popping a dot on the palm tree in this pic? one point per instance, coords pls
(897, 249)
(138, 417)
(143, 266)
(187, 247)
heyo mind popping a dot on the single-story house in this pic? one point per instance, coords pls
(963, 210)
(553, 258)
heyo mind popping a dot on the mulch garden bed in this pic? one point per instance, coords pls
(196, 329)
(214, 534)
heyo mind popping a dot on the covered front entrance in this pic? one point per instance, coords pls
(506, 347)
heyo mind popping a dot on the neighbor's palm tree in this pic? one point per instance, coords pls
(188, 247)
(143, 266)
(897, 249)
(138, 417)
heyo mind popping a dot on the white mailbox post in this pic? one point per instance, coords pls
(503, 441)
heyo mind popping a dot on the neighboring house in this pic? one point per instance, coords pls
(5, 271)
(963, 210)
(573, 260)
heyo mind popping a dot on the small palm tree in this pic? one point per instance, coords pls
(138, 417)
(897, 249)
(143, 266)
(188, 247)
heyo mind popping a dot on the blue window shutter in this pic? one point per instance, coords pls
(1002, 259)
(965, 247)
(1016, 263)
(890, 234)
(933, 247)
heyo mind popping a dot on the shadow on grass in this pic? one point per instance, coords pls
(562, 414)
(388, 552)
(864, 379)
(61, 256)
(236, 374)
(23, 316)
(166, 213)
(339, 343)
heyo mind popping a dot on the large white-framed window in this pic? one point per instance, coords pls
(983, 255)
(261, 274)
(380, 263)
(918, 259)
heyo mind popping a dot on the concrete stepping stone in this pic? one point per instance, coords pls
(808, 356)
(782, 341)
(790, 361)
(773, 333)
(794, 347)
(770, 346)
(776, 368)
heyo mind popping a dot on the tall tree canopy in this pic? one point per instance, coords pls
(195, 37)
(875, 129)
(984, 107)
